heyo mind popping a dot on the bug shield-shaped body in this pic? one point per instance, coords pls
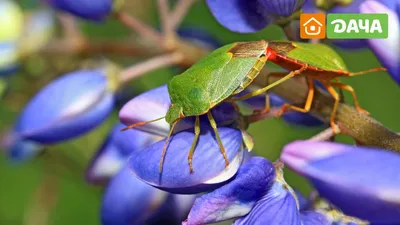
(226, 71)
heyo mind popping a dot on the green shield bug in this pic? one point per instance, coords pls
(230, 69)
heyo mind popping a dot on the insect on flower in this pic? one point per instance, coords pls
(230, 69)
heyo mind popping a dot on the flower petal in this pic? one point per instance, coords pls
(208, 163)
(314, 218)
(281, 7)
(150, 105)
(350, 177)
(155, 103)
(241, 16)
(114, 152)
(387, 50)
(278, 206)
(19, 150)
(129, 201)
(66, 108)
(87, 9)
(236, 198)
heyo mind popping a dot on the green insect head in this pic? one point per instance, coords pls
(174, 113)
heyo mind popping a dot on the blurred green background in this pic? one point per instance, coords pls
(78, 202)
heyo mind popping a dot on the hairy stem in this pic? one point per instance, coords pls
(364, 129)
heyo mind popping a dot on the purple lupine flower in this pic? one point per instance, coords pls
(129, 201)
(277, 206)
(208, 163)
(387, 50)
(361, 182)
(246, 16)
(295, 118)
(115, 151)
(87, 9)
(236, 198)
(176, 176)
(68, 107)
(19, 150)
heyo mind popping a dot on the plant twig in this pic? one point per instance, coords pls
(364, 129)
(44, 200)
(180, 10)
(150, 65)
(138, 26)
(166, 24)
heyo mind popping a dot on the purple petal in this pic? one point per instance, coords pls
(155, 103)
(304, 204)
(350, 177)
(241, 16)
(66, 108)
(129, 201)
(148, 106)
(19, 150)
(115, 151)
(208, 163)
(278, 206)
(173, 211)
(314, 218)
(87, 9)
(236, 198)
(387, 50)
(281, 7)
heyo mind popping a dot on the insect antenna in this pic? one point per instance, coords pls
(166, 145)
(141, 123)
(368, 71)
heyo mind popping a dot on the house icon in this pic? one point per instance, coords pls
(312, 27)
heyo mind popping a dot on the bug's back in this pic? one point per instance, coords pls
(215, 77)
(319, 56)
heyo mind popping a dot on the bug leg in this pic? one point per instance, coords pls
(264, 89)
(367, 71)
(196, 137)
(166, 145)
(221, 146)
(335, 95)
(307, 107)
(351, 90)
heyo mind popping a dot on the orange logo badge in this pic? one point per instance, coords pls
(312, 26)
